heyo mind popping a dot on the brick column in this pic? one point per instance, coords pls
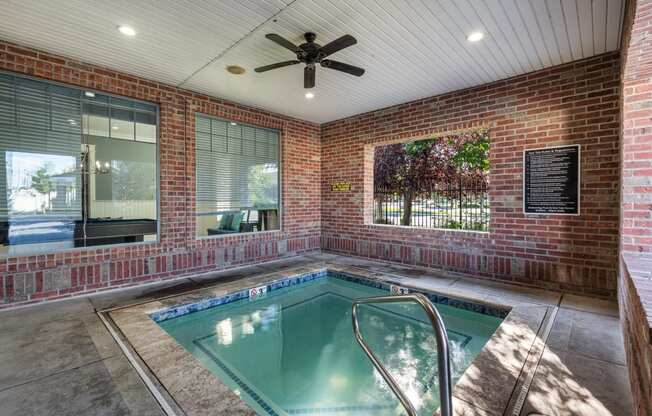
(635, 283)
(636, 226)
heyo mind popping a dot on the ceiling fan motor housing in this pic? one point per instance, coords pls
(310, 50)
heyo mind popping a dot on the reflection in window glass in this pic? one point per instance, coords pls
(121, 175)
(122, 124)
(237, 177)
(95, 119)
(146, 127)
(122, 179)
(69, 177)
(42, 196)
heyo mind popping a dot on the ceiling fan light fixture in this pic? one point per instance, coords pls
(475, 36)
(235, 69)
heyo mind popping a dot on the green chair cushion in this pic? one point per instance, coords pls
(237, 219)
(226, 221)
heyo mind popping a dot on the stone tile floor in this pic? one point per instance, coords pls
(58, 358)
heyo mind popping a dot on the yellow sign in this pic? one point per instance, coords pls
(341, 187)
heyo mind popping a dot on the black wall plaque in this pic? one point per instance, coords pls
(551, 180)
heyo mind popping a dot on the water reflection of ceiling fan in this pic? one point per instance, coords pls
(311, 54)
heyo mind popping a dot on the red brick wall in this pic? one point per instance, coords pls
(637, 129)
(635, 285)
(575, 103)
(47, 276)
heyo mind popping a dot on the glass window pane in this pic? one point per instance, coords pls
(234, 130)
(122, 124)
(237, 181)
(123, 180)
(145, 106)
(218, 127)
(90, 96)
(96, 120)
(218, 144)
(234, 146)
(7, 100)
(146, 127)
(57, 149)
(248, 148)
(121, 102)
(203, 125)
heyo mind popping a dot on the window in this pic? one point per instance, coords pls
(76, 168)
(237, 177)
(435, 183)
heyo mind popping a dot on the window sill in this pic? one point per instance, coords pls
(483, 234)
(247, 234)
(29, 253)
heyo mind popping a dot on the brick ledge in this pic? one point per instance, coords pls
(639, 270)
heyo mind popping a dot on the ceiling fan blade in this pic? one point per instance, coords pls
(283, 42)
(341, 66)
(309, 77)
(337, 45)
(277, 65)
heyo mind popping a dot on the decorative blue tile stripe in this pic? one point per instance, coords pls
(339, 409)
(209, 302)
(434, 298)
(250, 392)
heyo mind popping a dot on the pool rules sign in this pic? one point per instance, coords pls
(551, 180)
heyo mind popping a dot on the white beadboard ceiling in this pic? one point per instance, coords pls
(409, 48)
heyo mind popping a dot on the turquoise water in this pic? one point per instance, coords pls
(293, 352)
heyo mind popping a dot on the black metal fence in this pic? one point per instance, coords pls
(462, 205)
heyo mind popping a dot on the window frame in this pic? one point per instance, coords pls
(369, 191)
(31, 252)
(279, 149)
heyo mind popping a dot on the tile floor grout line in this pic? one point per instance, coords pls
(586, 357)
(606, 315)
(56, 373)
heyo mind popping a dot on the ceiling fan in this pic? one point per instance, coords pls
(311, 54)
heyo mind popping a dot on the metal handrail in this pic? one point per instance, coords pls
(443, 358)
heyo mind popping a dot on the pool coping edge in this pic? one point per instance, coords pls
(134, 321)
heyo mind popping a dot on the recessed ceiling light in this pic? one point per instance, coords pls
(310, 95)
(233, 123)
(127, 30)
(475, 36)
(90, 94)
(115, 127)
(235, 69)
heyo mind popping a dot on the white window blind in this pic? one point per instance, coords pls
(236, 166)
(40, 139)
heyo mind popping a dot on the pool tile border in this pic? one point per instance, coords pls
(293, 280)
(164, 359)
